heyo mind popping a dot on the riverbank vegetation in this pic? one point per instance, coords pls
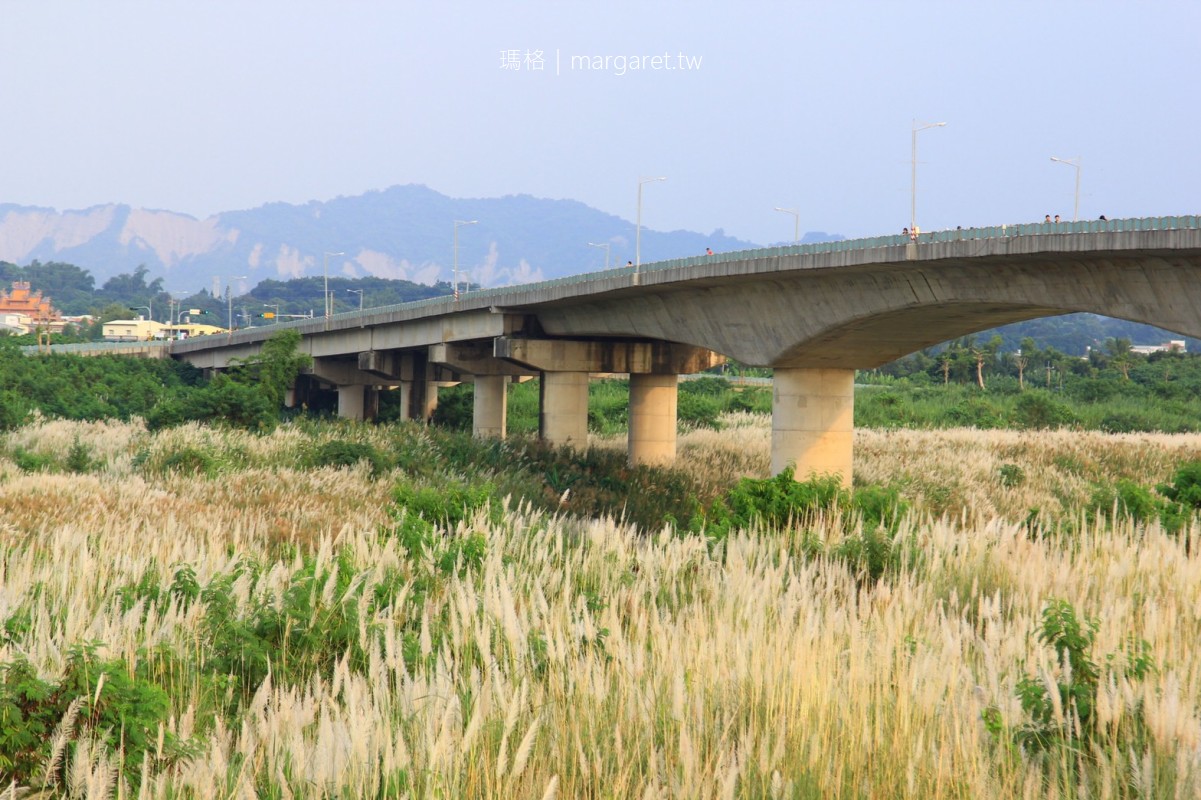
(335, 609)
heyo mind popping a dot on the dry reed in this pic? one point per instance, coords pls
(584, 660)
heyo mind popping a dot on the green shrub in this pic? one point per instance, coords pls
(781, 501)
(186, 461)
(1011, 475)
(94, 698)
(456, 408)
(975, 412)
(1183, 496)
(1075, 731)
(608, 406)
(445, 506)
(224, 400)
(13, 410)
(79, 457)
(1125, 422)
(1037, 409)
(1126, 498)
(29, 461)
(346, 453)
(698, 410)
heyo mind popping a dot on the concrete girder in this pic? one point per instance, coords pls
(341, 372)
(409, 334)
(861, 309)
(561, 355)
(475, 358)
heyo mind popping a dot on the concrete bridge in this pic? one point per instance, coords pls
(813, 313)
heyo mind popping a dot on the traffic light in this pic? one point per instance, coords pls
(267, 315)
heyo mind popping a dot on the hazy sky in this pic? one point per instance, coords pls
(209, 106)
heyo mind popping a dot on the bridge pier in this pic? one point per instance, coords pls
(813, 422)
(563, 403)
(490, 409)
(653, 368)
(654, 401)
(418, 399)
(351, 401)
(491, 376)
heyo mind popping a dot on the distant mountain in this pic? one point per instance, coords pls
(404, 232)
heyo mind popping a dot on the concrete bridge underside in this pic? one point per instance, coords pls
(814, 319)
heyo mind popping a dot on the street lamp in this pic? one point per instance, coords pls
(149, 313)
(172, 303)
(326, 272)
(913, 174)
(604, 245)
(638, 231)
(229, 294)
(796, 228)
(359, 292)
(459, 223)
(1073, 162)
(276, 307)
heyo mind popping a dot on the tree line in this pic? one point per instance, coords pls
(72, 290)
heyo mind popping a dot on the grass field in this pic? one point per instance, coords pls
(206, 613)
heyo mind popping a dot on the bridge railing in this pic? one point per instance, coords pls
(116, 348)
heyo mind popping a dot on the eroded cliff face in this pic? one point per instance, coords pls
(26, 231)
(111, 239)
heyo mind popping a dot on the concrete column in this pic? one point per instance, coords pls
(427, 401)
(350, 401)
(406, 400)
(371, 403)
(491, 408)
(418, 399)
(653, 402)
(564, 403)
(813, 421)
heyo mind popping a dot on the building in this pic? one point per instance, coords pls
(187, 330)
(1172, 346)
(26, 310)
(132, 330)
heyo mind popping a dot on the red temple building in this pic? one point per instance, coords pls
(23, 308)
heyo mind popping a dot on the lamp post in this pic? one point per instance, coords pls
(359, 292)
(604, 245)
(913, 173)
(276, 307)
(149, 313)
(458, 224)
(174, 307)
(796, 228)
(326, 272)
(1073, 162)
(229, 295)
(638, 231)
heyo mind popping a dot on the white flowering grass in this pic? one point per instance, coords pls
(582, 659)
